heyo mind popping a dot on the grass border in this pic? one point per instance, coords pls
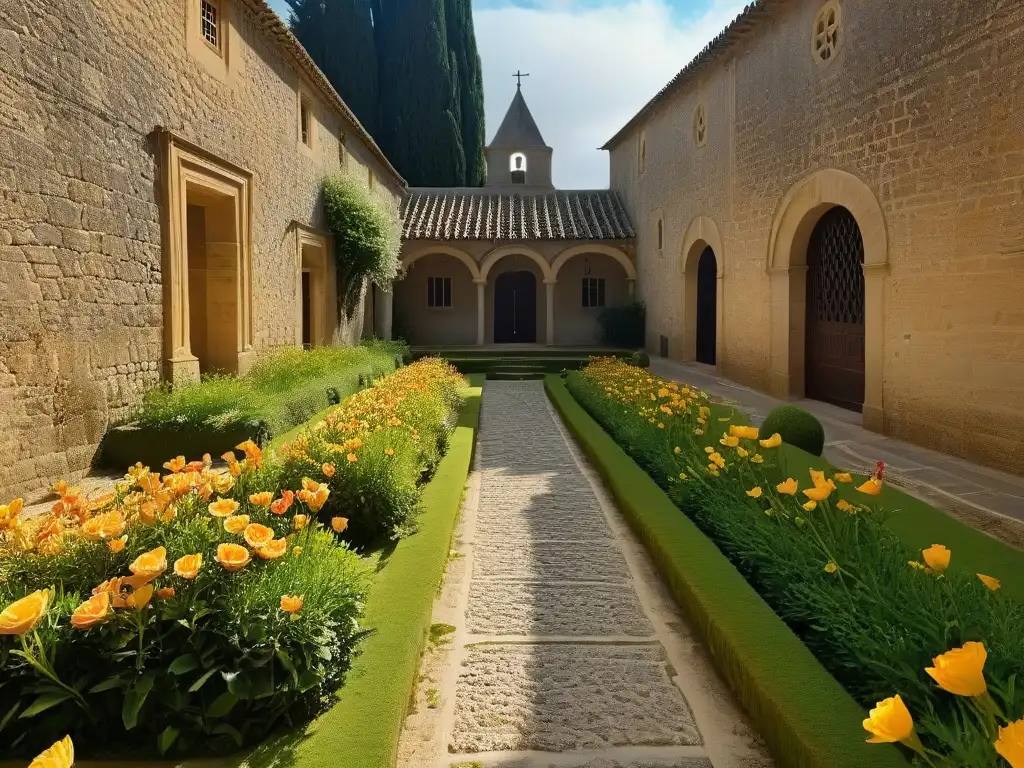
(363, 728)
(807, 719)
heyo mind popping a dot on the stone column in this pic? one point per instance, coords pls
(631, 287)
(481, 314)
(873, 417)
(549, 285)
(383, 319)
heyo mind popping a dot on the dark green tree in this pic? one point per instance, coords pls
(339, 35)
(462, 43)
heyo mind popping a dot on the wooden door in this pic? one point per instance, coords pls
(515, 308)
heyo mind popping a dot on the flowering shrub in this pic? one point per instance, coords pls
(194, 609)
(816, 548)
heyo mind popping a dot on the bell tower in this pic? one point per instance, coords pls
(517, 157)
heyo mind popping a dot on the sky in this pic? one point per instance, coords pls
(593, 64)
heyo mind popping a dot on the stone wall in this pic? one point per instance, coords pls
(922, 104)
(83, 86)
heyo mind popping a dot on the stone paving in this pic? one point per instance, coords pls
(568, 651)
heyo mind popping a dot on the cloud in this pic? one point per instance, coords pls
(591, 69)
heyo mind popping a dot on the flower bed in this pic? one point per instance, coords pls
(194, 611)
(819, 553)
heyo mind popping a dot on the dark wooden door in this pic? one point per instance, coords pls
(307, 312)
(707, 306)
(834, 352)
(515, 308)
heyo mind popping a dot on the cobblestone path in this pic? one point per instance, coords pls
(568, 652)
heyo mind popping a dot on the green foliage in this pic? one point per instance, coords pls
(366, 238)
(797, 427)
(872, 620)
(640, 359)
(623, 326)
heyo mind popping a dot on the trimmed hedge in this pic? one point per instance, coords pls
(804, 715)
(797, 427)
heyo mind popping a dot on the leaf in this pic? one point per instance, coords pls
(228, 730)
(135, 698)
(222, 705)
(202, 680)
(183, 664)
(9, 715)
(108, 684)
(43, 703)
(240, 685)
(166, 739)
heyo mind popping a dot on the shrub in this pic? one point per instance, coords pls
(819, 553)
(797, 427)
(640, 359)
(623, 326)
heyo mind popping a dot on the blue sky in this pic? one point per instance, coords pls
(593, 64)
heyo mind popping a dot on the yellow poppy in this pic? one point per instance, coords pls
(889, 722)
(274, 549)
(291, 603)
(757, 458)
(236, 523)
(789, 487)
(811, 505)
(328, 469)
(729, 441)
(257, 535)
(818, 492)
(151, 564)
(116, 545)
(262, 499)
(92, 612)
(165, 593)
(1010, 744)
(772, 442)
(60, 755)
(831, 567)
(755, 493)
(300, 521)
(187, 567)
(845, 506)
(872, 486)
(108, 525)
(843, 477)
(232, 557)
(223, 507)
(990, 581)
(817, 477)
(960, 670)
(175, 465)
(339, 524)
(138, 599)
(744, 433)
(9, 514)
(937, 557)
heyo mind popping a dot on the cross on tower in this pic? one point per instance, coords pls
(519, 78)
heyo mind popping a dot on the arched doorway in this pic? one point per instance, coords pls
(515, 308)
(834, 346)
(707, 306)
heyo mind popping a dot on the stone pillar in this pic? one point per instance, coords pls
(383, 318)
(481, 314)
(873, 417)
(549, 285)
(631, 287)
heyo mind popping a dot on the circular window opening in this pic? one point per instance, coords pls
(825, 37)
(700, 125)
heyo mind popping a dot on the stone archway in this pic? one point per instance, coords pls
(700, 236)
(799, 212)
(493, 257)
(413, 256)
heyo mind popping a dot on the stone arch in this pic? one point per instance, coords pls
(498, 254)
(798, 213)
(702, 233)
(607, 250)
(426, 250)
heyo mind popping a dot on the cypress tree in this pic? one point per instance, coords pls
(339, 35)
(462, 42)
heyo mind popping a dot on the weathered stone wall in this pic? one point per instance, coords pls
(923, 104)
(83, 85)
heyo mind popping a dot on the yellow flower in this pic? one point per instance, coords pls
(257, 535)
(291, 603)
(60, 755)
(843, 477)
(175, 465)
(960, 671)
(916, 565)
(789, 487)
(742, 452)
(300, 521)
(389, 451)
(676, 450)
(165, 593)
(818, 477)
(274, 549)
(845, 506)
(757, 458)
(296, 551)
(139, 598)
(889, 722)
(223, 507)
(187, 567)
(872, 486)
(263, 499)
(990, 581)
(328, 469)
(150, 565)
(729, 441)
(818, 492)
(831, 567)
(236, 523)
(116, 545)
(1010, 744)
(232, 557)
(755, 493)
(744, 433)
(108, 525)
(937, 557)
(352, 458)
(339, 524)
(9, 514)
(91, 612)
(811, 505)
(698, 432)
(772, 442)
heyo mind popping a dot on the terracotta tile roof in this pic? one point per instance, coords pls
(468, 214)
(723, 42)
(277, 30)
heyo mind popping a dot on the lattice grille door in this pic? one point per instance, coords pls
(834, 352)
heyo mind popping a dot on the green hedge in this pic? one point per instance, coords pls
(804, 715)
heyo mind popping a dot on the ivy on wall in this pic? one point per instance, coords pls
(366, 239)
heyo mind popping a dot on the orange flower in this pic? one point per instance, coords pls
(789, 487)
(729, 441)
(328, 469)
(937, 557)
(236, 523)
(843, 477)
(232, 557)
(1010, 744)
(300, 521)
(91, 612)
(9, 514)
(165, 592)
(139, 598)
(175, 465)
(108, 525)
(60, 755)
(818, 492)
(309, 484)
(845, 506)
(150, 565)
(223, 507)
(116, 545)
(252, 452)
(744, 433)
(280, 506)
(291, 604)
(889, 722)
(339, 524)
(389, 451)
(960, 671)
(755, 493)
(257, 535)
(990, 581)
(273, 549)
(772, 442)
(352, 458)
(262, 499)
(187, 567)
(872, 486)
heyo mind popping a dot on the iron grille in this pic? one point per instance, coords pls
(836, 273)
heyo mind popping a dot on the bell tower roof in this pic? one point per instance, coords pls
(518, 130)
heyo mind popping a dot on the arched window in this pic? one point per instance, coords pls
(661, 234)
(517, 165)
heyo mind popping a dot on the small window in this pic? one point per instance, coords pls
(517, 167)
(825, 35)
(209, 19)
(642, 153)
(370, 178)
(439, 292)
(700, 125)
(305, 123)
(342, 151)
(661, 234)
(593, 291)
